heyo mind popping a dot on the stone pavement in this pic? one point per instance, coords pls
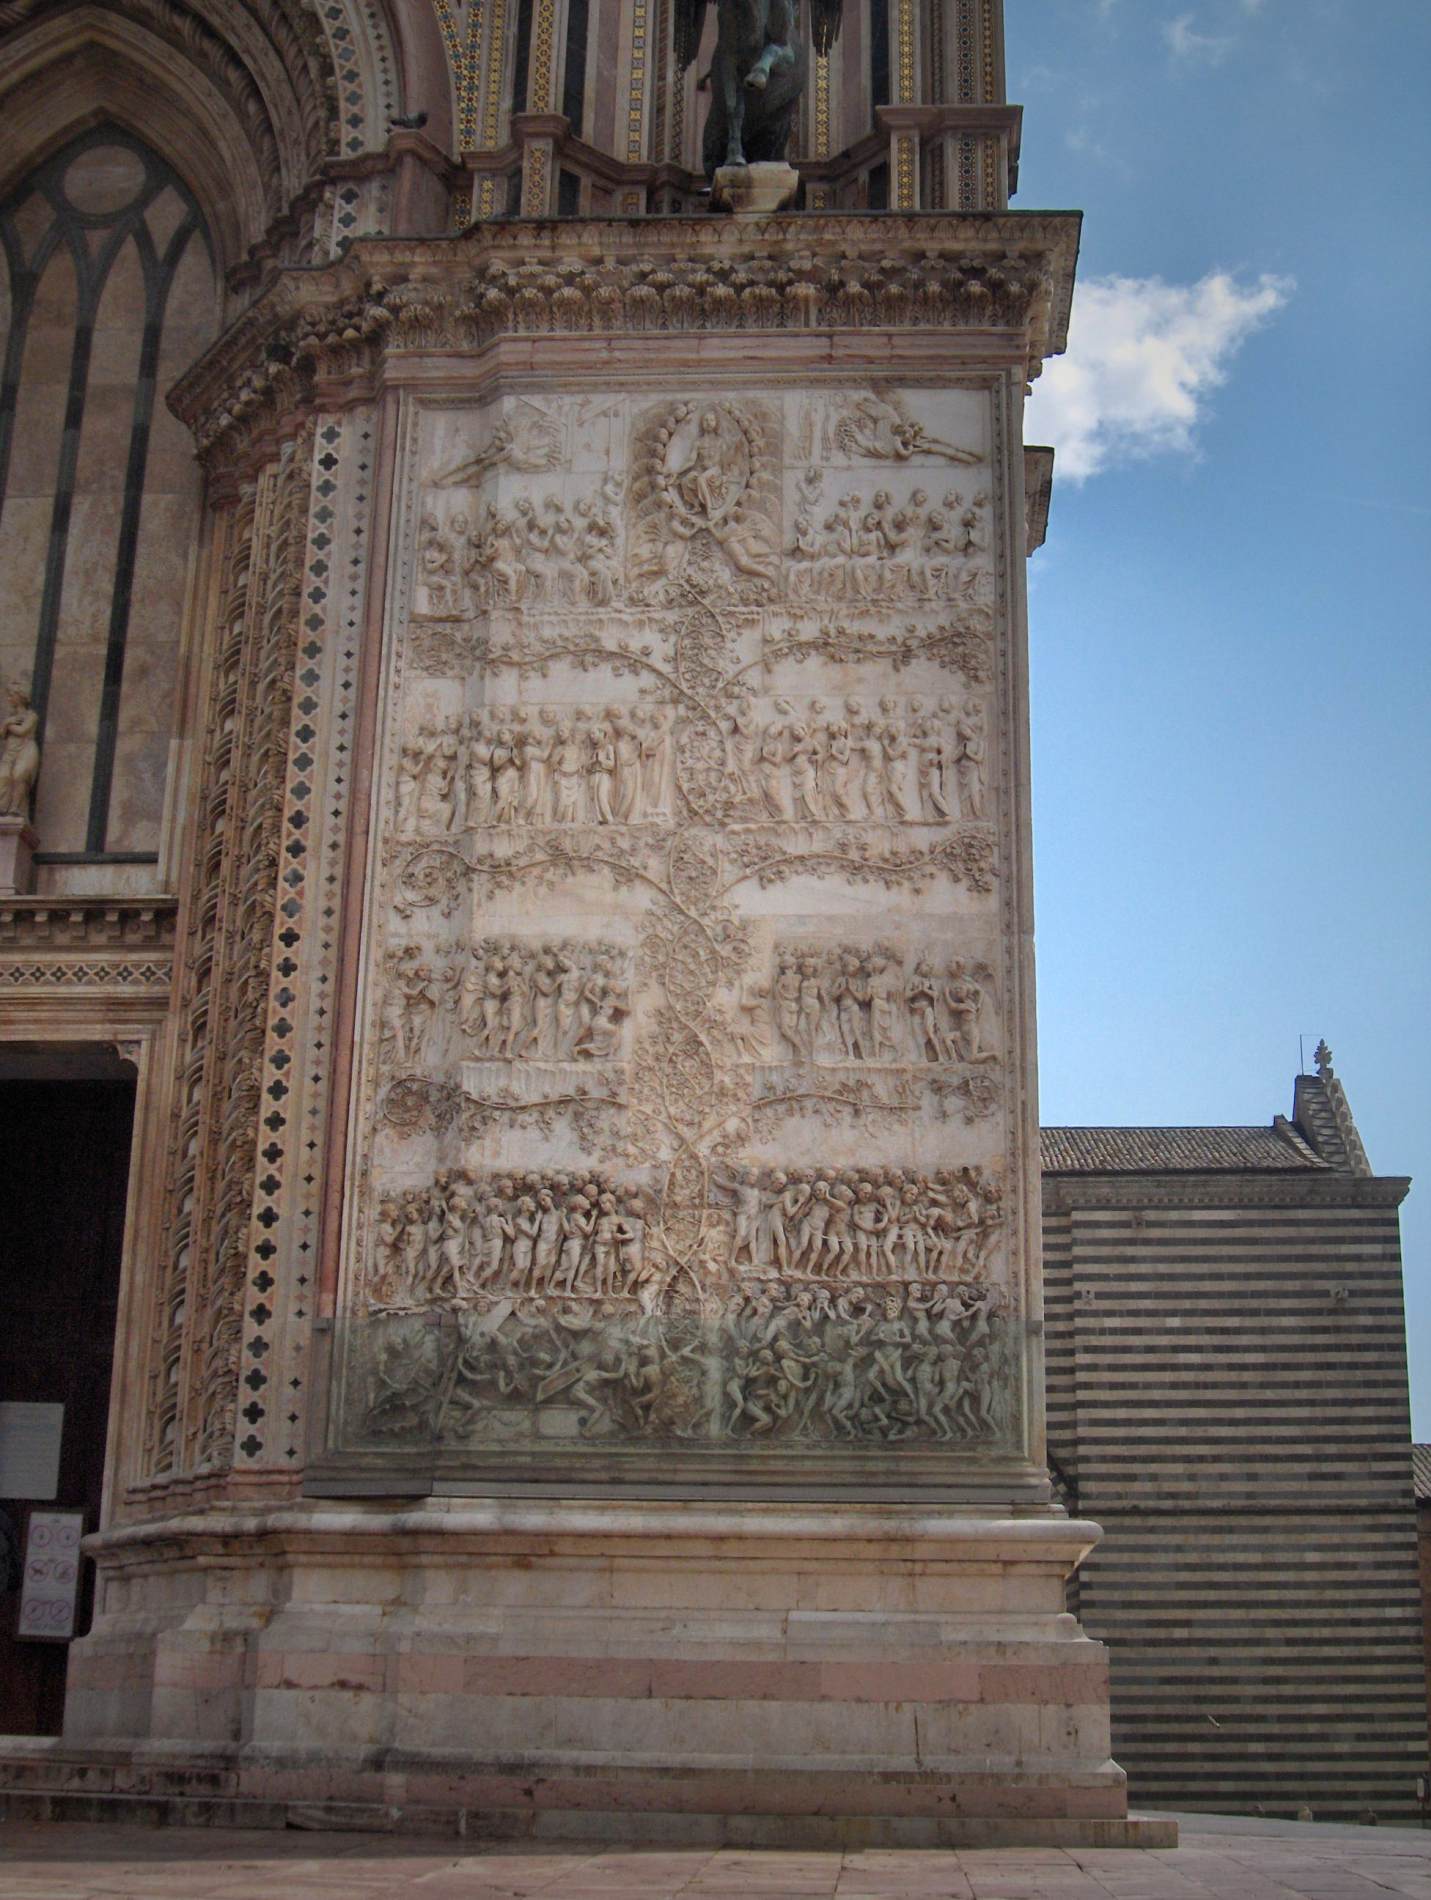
(1226, 1858)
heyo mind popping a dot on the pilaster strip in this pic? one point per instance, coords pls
(297, 1053)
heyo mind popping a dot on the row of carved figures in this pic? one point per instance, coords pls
(897, 764)
(469, 1234)
(473, 1234)
(536, 554)
(779, 1362)
(513, 1001)
(910, 1361)
(847, 1004)
(496, 768)
(567, 1001)
(886, 550)
(862, 1224)
(539, 553)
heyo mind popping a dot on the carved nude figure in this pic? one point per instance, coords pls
(497, 1230)
(19, 755)
(787, 1004)
(969, 758)
(578, 1223)
(884, 1008)
(931, 760)
(852, 996)
(516, 1010)
(963, 1000)
(547, 1241)
(870, 1221)
(811, 1009)
(601, 1037)
(921, 997)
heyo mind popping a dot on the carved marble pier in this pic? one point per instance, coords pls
(655, 1171)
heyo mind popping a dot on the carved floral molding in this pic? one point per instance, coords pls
(1005, 272)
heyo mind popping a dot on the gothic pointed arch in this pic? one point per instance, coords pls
(276, 111)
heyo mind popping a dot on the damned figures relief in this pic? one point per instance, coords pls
(685, 1094)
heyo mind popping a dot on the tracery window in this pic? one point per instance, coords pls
(108, 293)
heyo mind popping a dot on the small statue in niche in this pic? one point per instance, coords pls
(19, 754)
(758, 72)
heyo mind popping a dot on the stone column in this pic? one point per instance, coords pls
(679, 1258)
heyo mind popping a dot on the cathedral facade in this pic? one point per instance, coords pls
(515, 921)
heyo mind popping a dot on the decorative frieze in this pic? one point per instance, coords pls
(225, 969)
(1011, 272)
(847, 1304)
(94, 923)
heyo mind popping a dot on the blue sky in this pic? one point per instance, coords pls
(1231, 685)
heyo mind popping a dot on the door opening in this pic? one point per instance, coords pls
(64, 1165)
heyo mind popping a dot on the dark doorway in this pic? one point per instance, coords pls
(64, 1165)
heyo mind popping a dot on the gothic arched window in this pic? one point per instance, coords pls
(109, 293)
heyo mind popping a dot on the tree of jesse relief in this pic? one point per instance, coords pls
(670, 1283)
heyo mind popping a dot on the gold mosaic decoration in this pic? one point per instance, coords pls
(822, 105)
(636, 89)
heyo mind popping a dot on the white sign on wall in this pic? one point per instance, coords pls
(30, 1449)
(49, 1593)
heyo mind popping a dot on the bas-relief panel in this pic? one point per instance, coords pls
(685, 1108)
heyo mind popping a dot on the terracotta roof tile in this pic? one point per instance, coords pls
(1272, 1148)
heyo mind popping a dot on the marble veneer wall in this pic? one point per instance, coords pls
(605, 1064)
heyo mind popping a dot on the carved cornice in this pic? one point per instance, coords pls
(322, 335)
(1038, 492)
(1064, 1194)
(34, 925)
(77, 946)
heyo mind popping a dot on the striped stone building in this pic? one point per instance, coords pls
(1421, 1485)
(1227, 1396)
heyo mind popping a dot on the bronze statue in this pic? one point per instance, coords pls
(757, 74)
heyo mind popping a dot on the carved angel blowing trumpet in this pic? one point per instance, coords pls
(757, 74)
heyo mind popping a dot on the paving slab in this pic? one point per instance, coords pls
(1218, 1859)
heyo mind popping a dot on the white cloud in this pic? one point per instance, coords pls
(1187, 43)
(1143, 357)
